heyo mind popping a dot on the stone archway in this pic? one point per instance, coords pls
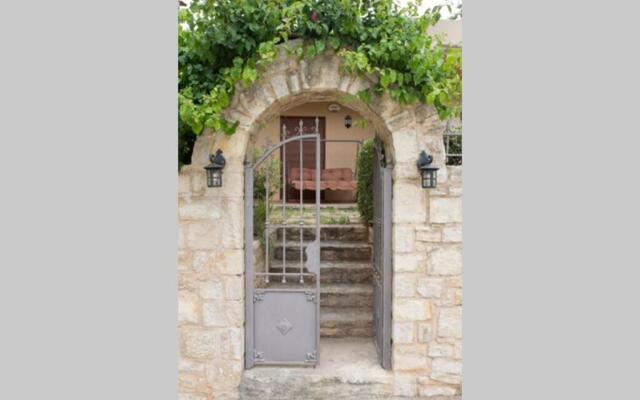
(426, 266)
(289, 82)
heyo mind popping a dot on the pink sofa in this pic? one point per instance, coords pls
(330, 179)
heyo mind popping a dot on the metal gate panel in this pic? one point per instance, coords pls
(285, 327)
(382, 255)
(282, 307)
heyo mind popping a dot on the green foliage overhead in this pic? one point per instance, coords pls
(226, 43)
(365, 181)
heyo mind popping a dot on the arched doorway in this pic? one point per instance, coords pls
(286, 84)
(314, 277)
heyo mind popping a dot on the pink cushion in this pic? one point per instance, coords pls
(330, 178)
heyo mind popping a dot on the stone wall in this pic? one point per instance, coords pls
(427, 240)
(427, 289)
(210, 290)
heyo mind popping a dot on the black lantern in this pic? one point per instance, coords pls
(214, 170)
(429, 172)
(348, 121)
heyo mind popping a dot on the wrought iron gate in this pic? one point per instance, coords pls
(282, 301)
(382, 255)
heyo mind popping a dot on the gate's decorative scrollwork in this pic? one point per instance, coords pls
(258, 356)
(313, 257)
(311, 357)
(258, 295)
(311, 295)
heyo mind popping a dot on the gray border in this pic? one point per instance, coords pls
(88, 207)
(550, 200)
(87, 293)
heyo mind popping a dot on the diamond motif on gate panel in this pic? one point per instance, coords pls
(284, 326)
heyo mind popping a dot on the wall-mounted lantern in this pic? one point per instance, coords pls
(429, 173)
(214, 170)
(348, 121)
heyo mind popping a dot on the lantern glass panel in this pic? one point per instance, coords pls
(216, 178)
(428, 179)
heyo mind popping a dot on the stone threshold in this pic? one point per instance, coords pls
(348, 368)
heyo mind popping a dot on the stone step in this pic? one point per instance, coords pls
(329, 251)
(346, 295)
(333, 271)
(349, 233)
(332, 294)
(337, 322)
(348, 369)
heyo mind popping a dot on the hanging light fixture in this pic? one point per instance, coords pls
(428, 172)
(348, 121)
(214, 170)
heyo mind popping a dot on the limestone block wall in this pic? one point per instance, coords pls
(210, 288)
(427, 289)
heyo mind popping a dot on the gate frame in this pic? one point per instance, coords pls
(248, 253)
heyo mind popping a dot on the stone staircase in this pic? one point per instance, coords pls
(346, 289)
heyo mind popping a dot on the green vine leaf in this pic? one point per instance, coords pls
(334, 42)
(249, 75)
(365, 96)
(311, 52)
